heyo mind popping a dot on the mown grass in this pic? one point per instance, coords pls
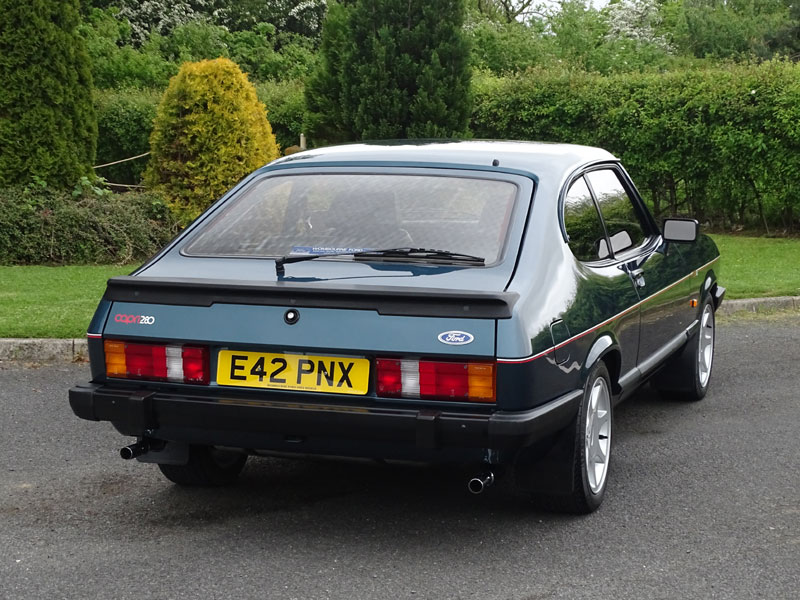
(51, 302)
(756, 267)
(59, 301)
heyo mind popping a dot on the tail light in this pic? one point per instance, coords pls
(431, 380)
(157, 362)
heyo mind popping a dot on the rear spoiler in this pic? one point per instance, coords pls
(418, 302)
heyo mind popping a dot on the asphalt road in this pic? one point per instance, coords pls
(703, 503)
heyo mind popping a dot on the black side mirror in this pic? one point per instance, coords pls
(680, 230)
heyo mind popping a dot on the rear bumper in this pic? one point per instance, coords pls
(314, 427)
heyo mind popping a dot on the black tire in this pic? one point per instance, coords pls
(582, 443)
(207, 466)
(687, 375)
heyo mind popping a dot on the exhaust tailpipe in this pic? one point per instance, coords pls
(134, 450)
(478, 484)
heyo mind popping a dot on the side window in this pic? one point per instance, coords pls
(587, 238)
(619, 214)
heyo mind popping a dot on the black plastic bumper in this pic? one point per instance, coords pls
(258, 423)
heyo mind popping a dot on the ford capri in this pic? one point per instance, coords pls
(478, 304)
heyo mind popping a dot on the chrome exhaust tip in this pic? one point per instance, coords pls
(478, 484)
(134, 450)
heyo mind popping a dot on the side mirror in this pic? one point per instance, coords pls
(680, 230)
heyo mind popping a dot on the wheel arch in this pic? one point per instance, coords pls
(605, 348)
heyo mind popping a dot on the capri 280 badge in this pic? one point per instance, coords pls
(455, 338)
(134, 319)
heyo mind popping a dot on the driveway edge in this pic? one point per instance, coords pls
(757, 305)
(42, 350)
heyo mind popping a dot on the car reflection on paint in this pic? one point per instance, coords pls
(474, 303)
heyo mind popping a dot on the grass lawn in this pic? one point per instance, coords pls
(59, 301)
(755, 267)
(51, 302)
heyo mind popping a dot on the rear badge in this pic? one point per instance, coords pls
(455, 338)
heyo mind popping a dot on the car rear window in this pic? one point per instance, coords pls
(327, 213)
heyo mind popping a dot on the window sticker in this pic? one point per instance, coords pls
(323, 250)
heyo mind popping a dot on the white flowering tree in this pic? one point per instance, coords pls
(636, 21)
(163, 16)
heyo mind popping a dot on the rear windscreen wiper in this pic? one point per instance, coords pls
(404, 254)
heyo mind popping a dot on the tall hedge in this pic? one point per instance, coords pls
(210, 131)
(720, 144)
(124, 124)
(391, 69)
(47, 122)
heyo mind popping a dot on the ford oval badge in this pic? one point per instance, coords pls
(455, 338)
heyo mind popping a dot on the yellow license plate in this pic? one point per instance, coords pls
(329, 374)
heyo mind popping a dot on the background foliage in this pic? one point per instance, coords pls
(47, 123)
(46, 226)
(720, 144)
(124, 123)
(391, 69)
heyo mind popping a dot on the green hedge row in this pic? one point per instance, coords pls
(722, 145)
(43, 226)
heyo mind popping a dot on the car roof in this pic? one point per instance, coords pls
(540, 159)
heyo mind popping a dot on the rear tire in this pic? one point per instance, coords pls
(207, 466)
(588, 443)
(687, 375)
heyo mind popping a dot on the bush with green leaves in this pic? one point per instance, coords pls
(124, 122)
(720, 144)
(40, 225)
(210, 131)
(47, 122)
(286, 109)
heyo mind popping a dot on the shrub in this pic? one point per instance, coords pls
(46, 226)
(721, 144)
(210, 131)
(124, 124)
(286, 107)
(47, 122)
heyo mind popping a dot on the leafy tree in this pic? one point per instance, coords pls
(47, 122)
(508, 47)
(302, 17)
(723, 29)
(391, 69)
(159, 16)
(114, 62)
(506, 11)
(210, 131)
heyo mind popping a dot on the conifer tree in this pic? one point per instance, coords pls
(210, 131)
(391, 69)
(48, 127)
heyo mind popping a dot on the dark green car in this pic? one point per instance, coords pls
(483, 304)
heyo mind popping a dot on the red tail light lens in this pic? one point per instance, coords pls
(389, 377)
(157, 362)
(195, 364)
(435, 380)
